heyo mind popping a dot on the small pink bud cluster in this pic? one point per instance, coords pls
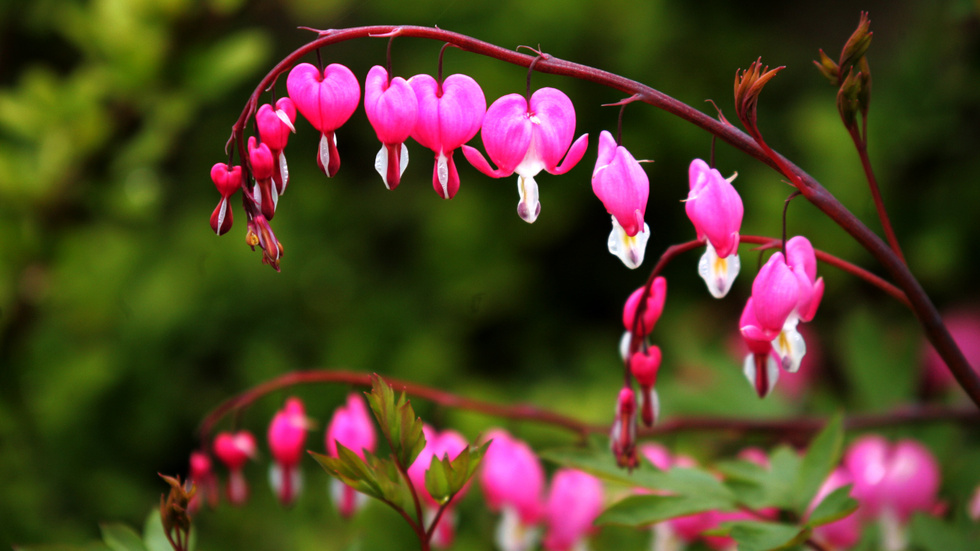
(785, 292)
(640, 314)
(623, 187)
(715, 209)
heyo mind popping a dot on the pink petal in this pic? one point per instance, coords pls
(326, 100)
(391, 108)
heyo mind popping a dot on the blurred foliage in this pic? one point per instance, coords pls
(123, 319)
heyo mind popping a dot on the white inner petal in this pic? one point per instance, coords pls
(528, 207)
(324, 152)
(628, 249)
(381, 164)
(442, 172)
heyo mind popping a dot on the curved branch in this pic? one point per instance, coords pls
(920, 302)
(798, 428)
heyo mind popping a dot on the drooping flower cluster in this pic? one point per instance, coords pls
(521, 134)
(640, 314)
(785, 292)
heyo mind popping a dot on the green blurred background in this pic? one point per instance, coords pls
(123, 319)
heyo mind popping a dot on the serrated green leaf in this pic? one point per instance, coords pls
(351, 470)
(437, 479)
(784, 468)
(120, 537)
(834, 506)
(399, 424)
(643, 510)
(820, 459)
(767, 536)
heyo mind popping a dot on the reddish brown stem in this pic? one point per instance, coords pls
(800, 427)
(861, 144)
(926, 312)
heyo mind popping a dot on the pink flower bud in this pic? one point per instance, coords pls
(265, 194)
(622, 437)
(202, 475)
(274, 126)
(801, 258)
(287, 439)
(234, 450)
(900, 478)
(511, 476)
(651, 313)
(352, 427)
(450, 114)
(227, 179)
(621, 184)
(392, 109)
(573, 504)
(775, 294)
(327, 100)
(644, 365)
(276, 123)
(714, 208)
(526, 138)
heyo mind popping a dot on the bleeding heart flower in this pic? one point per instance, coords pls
(644, 365)
(287, 439)
(262, 162)
(228, 180)
(526, 138)
(623, 187)
(513, 481)
(450, 114)
(274, 126)
(234, 450)
(352, 428)
(392, 110)
(573, 504)
(715, 209)
(327, 100)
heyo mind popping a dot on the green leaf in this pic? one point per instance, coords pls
(643, 510)
(820, 459)
(445, 478)
(757, 487)
(120, 537)
(834, 506)
(401, 427)
(350, 469)
(767, 536)
(154, 539)
(679, 481)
